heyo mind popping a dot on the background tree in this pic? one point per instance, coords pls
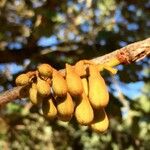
(56, 32)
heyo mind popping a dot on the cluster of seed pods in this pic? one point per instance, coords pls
(79, 91)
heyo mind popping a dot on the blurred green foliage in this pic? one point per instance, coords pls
(60, 31)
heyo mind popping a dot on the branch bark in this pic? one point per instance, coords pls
(128, 54)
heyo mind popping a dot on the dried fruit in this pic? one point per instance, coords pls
(74, 82)
(65, 107)
(43, 87)
(33, 95)
(48, 108)
(22, 79)
(45, 70)
(98, 93)
(84, 112)
(59, 84)
(100, 122)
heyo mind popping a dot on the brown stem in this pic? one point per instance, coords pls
(10, 95)
(128, 54)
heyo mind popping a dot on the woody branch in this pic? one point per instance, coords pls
(128, 54)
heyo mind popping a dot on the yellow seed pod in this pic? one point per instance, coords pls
(65, 107)
(74, 82)
(43, 87)
(84, 112)
(49, 109)
(59, 84)
(85, 85)
(45, 70)
(100, 122)
(98, 92)
(33, 95)
(80, 68)
(22, 79)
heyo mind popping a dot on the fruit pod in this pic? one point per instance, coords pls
(45, 70)
(74, 82)
(100, 122)
(34, 97)
(59, 84)
(48, 108)
(85, 85)
(43, 87)
(80, 68)
(83, 111)
(22, 79)
(98, 92)
(65, 107)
